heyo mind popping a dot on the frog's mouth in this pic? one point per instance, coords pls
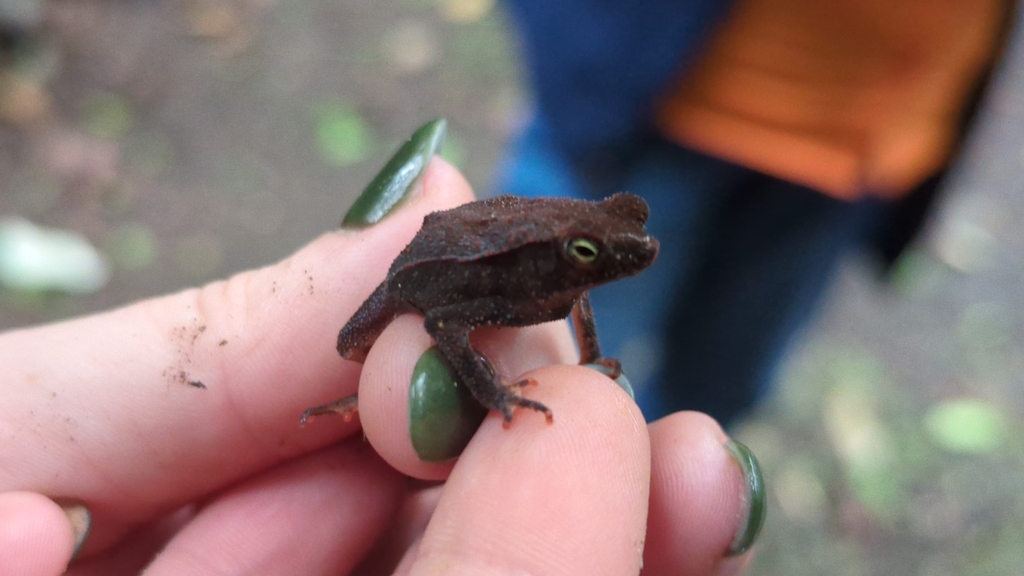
(644, 252)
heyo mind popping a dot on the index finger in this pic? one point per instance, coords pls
(138, 409)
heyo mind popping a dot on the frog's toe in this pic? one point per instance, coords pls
(512, 401)
(523, 383)
(346, 407)
(611, 367)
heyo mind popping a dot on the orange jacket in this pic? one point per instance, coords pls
(849, 97)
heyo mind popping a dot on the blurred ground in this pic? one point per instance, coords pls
(189, 139)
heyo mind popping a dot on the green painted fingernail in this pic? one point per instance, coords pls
(81, 522)
(443, 415)
(757, 507)
(621, 379)
(393, 183)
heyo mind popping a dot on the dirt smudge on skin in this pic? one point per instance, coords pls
(181, 377)
(186, 337)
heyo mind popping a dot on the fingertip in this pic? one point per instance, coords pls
(563, 498)
(384, 398)
(386, 385)
(443, 414)
(697, 497)
(442, 177)
(36, 536)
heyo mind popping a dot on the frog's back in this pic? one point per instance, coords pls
(484, 228)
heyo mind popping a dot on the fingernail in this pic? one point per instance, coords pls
(443, 416)
(753, 520)
(621, 379)
(81, 521)
(393, 183)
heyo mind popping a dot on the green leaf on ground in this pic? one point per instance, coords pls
(106, 115)
(342, 136)
(966, 425)
(132, 247)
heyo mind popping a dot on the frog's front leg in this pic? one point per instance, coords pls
(368, 321)
(354, 342)
(450, 328)
(586, 337)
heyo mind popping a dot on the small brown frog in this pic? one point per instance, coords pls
(505, 261)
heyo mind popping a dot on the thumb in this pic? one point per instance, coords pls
(36, 537)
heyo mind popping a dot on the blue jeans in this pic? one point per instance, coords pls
(744, 259)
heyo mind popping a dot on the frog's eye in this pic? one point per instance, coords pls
(581, 250)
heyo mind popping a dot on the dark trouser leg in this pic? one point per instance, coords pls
(760, 275)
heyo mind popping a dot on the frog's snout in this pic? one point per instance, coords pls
(640, 253)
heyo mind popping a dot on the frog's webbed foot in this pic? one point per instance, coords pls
(506, 401)
(450, 330)
(347, 407)
(612, 368)
(504, 397)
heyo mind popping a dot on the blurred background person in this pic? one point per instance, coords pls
(770, 137)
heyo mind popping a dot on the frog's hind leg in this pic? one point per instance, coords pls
(477, 373)
(372, 317)
(450, 328)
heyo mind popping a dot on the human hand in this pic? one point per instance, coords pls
(174, 421)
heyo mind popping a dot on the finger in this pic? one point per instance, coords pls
(384, 386)
(134, 552)
(35, 536)
(156, 403)
(697, 498)
(316, 515)
(565, 498)
(405, 531)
